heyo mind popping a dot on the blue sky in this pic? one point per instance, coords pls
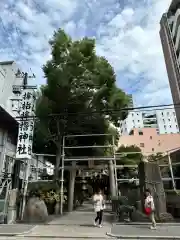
(126, 32)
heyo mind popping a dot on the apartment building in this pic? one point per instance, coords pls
(8, 123)
(9, 78)
(163, 120)
(170, 39)
(150, 141)
(131, 103)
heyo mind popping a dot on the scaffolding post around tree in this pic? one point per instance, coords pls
(75, 160)
(168, 164)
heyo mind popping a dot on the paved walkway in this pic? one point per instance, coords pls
(78, 224)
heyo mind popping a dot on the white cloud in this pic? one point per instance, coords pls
(127, 34)
(133, 46)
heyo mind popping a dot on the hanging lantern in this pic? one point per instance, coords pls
(84, 187)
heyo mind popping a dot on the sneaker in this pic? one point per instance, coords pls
(100, 226)
(95, 224)
(153, 228)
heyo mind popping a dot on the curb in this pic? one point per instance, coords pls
(147, 223)
(59, 237)
(142, 237)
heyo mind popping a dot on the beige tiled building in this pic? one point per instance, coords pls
(150, 141)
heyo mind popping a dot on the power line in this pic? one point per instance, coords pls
(107, 112)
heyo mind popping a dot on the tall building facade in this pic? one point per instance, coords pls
(131, 104)
(8, 79)
(163, 120)
(170, 39)
(150, 142)
(8, 122)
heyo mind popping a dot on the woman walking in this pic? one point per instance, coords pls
(99, 206)
(150, 208)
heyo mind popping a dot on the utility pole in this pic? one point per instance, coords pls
(26, 107)
(17, 164)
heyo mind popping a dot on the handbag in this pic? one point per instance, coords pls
(148, 210)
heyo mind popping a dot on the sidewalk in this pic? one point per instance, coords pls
(143, 231)
(78, 224)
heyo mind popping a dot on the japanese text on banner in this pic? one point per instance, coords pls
(26, 125)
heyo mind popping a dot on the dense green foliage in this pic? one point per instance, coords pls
(78, 98)
(129, 155)
(155, 157)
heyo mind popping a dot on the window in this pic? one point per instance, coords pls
(140, 132)
(131, 132)
(168, 113)
(150, 137)
(137, 114)
(138, 120)
(169, 119)
(162, 113)
(141, 144)
(176, 126)
(170, 126)
(153, 149)
(163, 120)
(164, 126)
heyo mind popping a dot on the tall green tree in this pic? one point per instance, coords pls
(80, 96)
(128, 155)
(155, 157)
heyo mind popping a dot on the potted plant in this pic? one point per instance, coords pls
(50, 198)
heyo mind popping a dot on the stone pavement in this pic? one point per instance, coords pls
(15, 229)
(143, 231)
(76, 225)
(79, 225)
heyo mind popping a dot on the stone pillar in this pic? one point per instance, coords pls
(150, 178)
(3, 153)
(72, 179)
(11, 216)
(112, 179)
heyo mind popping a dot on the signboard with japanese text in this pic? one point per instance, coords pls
(26, 125)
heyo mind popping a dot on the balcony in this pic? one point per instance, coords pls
(150, 126)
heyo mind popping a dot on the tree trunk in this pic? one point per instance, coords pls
(58, 160)
(72, 179)
(112, 179)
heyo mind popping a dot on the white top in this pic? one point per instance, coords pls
(98, 202)
(149, 202)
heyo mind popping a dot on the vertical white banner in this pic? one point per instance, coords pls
(26, 125)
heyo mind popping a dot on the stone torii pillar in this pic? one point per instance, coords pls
(112, 179)
(72, 178)
(150, 178)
